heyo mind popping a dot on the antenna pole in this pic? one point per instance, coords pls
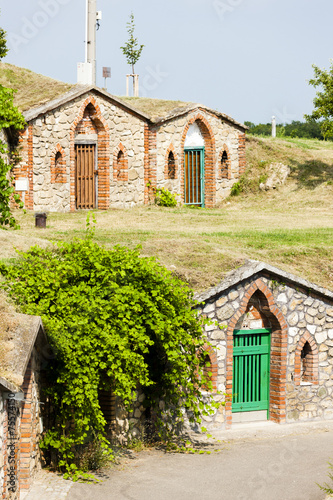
(91, 37)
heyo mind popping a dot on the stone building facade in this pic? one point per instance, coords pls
(271, 347)
(24, 355)
(89, 149)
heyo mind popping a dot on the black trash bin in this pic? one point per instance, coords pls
(40, 220)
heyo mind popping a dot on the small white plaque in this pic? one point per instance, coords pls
(21, 185)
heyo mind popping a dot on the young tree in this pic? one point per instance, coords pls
(10, 119)
(131, 49)
(323, 102)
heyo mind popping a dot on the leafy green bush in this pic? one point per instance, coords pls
(114, 319)
(164, 198)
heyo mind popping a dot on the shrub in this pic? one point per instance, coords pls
(164, 198)
(111, 317)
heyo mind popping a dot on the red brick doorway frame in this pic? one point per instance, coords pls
(278, 355)
(103, 153)
(208, 135)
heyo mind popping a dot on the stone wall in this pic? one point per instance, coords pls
(130, 151)
(170, 136)
(54, 132)
(296, 316)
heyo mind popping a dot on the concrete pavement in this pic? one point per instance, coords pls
(279, 463)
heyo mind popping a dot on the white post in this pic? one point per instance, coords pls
(127, 85)
(273, 126)
(136, 85)
(91, 37)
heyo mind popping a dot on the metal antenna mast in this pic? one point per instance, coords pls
(87, 70)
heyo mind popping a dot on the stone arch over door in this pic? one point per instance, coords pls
(209, 170)
(90, 123)
(260, 295)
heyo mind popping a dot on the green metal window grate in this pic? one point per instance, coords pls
(194, 177)
(251, 356)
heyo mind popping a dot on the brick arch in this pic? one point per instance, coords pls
(120, 172)
(278, 359)
(208, 135)
(58, 165)
(224, 169)
(103, 152)
(170, 149)
(313, 361)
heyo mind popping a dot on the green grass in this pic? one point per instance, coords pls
(290, 228)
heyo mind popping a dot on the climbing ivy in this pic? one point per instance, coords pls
(114, 319)
(10, 119)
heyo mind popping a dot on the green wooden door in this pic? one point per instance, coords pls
(251, 370)
(194, 177)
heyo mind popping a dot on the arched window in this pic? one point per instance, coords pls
(224, 165)
(306, 360)
(171, 166)
(207, 371)
(120, 165)
(58, 167)
(306, 363)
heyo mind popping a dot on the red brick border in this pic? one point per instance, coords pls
(278, 361)
(241, 154)
(26, 168)
(120, 169)
(103, 154)
(313, 361)
(150, 163)
(208, 135)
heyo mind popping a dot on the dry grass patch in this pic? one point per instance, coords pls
(31, 88)
(154, 107)
(291, 227)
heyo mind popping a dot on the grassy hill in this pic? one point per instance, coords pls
(31, 89)
(290, 227)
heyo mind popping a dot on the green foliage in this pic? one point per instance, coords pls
(328, 488)
(115, 320)
(3, 44)
(131, 49)
(307, 130)
(164, 198)
(10, 118)
(323, 102)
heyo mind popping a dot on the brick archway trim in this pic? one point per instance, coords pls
(208, 135)
(103, 154)
(314, 359)
(278, 362)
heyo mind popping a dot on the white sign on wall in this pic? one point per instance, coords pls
(21, 185)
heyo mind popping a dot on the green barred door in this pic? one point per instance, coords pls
(194, 177)
(251, 370)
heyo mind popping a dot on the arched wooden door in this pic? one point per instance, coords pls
(85, 176)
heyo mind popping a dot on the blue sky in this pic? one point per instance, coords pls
(250, 59)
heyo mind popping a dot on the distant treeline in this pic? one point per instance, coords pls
(309, 130)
